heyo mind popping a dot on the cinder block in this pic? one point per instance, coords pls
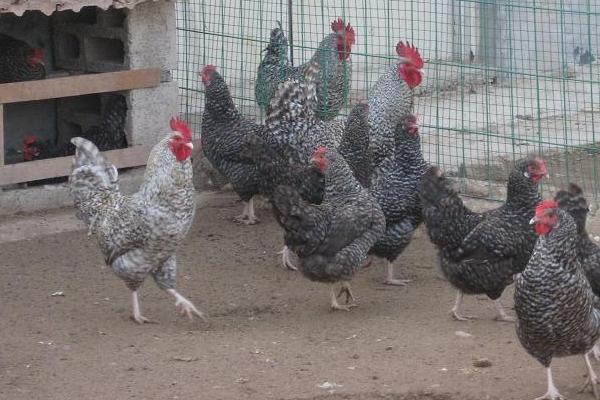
(149, 112)
(152, 36)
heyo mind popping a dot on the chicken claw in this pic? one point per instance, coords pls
(390, 280)
(247, 217)
(592, 379)
(286, 261)
(345, 289)
(186, 307)
(137, 313)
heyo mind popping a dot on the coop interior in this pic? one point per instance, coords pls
(74, 43)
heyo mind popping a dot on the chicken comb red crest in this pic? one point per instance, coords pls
(178, 125)
(411, 53)
(541, 208)
(38, 53)
(320, 151)
(338, 26)
(208, 68)
(30, 139)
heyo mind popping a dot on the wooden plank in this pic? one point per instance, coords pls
(61, 166)
(1, 134)
(135, 156)
(78, 85)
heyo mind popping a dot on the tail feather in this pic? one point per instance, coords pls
(573, 201)
(90, 167)
(294, 99)
(298, 218)
(447, 219)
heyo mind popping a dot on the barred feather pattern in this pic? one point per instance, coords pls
(354, 144)
(333, 82)
(480, 253)
(573, 202)
(273, 69)
(390, 101)
(224, 131)
(331, 239)
(13, 61)
(553, 299)
(395, 188)
(137, 234)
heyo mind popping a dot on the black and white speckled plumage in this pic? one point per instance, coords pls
(573, 201)
(333, 82)
(224, 130)
(331, 239)
(553, 299)
(13, 61)
(354, 144)
(479, 253)
(273, 69)
(138, 234)
(395, 187)
(390, 101)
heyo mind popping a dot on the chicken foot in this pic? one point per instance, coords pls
(349, 297)
(247, 217)
(390, 280)
(592, 378)
(184, 306)
(137, 313)
(552, 393)
(286, 260)
(455, 312)
(502, 316)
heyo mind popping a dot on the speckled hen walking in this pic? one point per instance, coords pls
(555, 305)
(480, 252)
(139, 234)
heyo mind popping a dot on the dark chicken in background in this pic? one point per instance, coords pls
(110, 135)
(19, 61)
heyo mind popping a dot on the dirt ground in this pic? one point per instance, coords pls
(271, 334)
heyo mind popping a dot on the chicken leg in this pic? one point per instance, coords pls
(390, 280)
(596, 351)
(286, 260)
(185, 306)
(502, 316)
(592, 378)
(137, 313)
(552, 393)
(455, 312)
(344, 289)
(247, 217)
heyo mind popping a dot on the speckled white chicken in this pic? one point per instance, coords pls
(139, 234)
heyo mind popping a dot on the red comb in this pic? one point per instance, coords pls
(30, 139)
(208, 68)
(321, 150)
(178, 125)
(410, 52)
(38, 53)
(337, 26)
(545, 205)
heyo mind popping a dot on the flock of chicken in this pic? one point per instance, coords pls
(346, 190)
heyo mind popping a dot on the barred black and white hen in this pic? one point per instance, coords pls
(224, 131)
(554, 302)
(480, 252)
(395, 187)
(332, 239)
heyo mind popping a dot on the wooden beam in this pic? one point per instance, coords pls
(135, 156)
(78, 85)
(61, 166)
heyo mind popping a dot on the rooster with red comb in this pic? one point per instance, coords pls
(139, 234)
(333, 57)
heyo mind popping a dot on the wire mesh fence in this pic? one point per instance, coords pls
(504, 78)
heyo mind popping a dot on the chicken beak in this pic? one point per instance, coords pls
(533, 220)
(190, 145)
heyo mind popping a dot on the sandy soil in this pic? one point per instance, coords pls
(270, 336)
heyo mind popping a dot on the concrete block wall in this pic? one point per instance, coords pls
(152, 42)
